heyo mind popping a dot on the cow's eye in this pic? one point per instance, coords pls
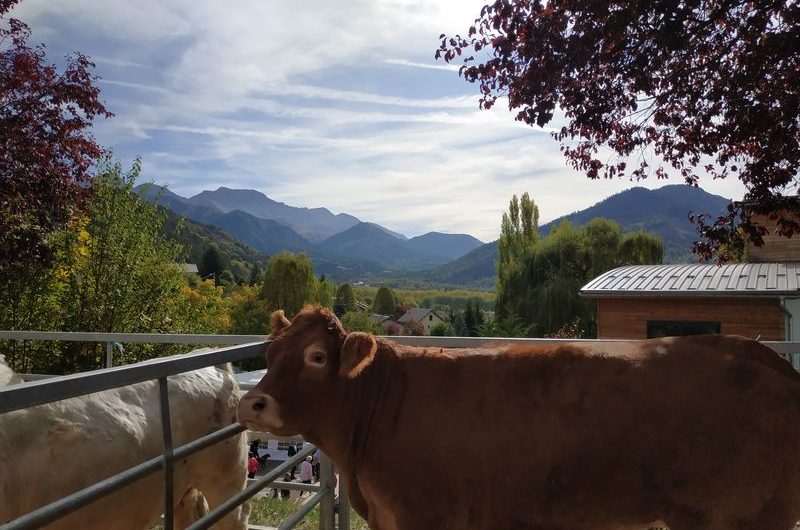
(318, 357)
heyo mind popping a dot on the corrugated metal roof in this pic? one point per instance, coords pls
(738, 279)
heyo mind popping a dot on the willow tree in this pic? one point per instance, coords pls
(640, 247)
(289, 282)
(542, 292)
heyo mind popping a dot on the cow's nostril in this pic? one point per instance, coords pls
(259, 405)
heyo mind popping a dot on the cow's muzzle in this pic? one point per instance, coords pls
(259, 412)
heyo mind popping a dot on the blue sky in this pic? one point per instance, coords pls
(315, 103)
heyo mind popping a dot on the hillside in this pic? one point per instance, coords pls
(662, 211)
(197, 237)
(475, 269)
(448, 246)
(265, 235)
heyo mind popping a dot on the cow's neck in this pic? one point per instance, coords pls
(364, 410)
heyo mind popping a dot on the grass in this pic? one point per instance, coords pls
(267, 511)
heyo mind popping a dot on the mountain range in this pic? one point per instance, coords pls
(345, 248)
(340, 245)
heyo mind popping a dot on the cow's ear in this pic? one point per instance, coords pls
(278, 321)
(358, 351)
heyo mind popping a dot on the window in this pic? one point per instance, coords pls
(430, 318)
(680, 328)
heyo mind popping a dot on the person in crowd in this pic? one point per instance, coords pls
(306, 471)
(285, 493)
(252, 466)
(315, 464)
(291, 452)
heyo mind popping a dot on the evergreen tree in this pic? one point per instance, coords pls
(469, 319)
(345, 299)
(323, 294)
(255, 274)
(479, 318)
(213, 263)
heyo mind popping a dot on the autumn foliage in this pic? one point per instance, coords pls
(706, 89)
(46, 150)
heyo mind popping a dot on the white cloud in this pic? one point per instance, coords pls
(430, 66)
(333, 103)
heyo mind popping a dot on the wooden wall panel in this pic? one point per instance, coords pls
(626, 318)
(775, 247)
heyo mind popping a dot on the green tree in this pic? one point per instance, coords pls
(255, 274)
(120, 273)
(385, 302)
(248, 312)
(289, 283)
(542, 292)
(441, 329)
(213, 262)
(201, 309)
(519, 232)
(345, 299)
(323, 292)
(639, 248)
(360, 321)
(603, 239)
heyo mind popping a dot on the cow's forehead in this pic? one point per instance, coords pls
(313, 323)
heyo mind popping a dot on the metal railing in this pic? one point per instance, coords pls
(59, 388)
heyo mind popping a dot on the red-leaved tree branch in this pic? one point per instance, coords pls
(46, 149)
(708, 89)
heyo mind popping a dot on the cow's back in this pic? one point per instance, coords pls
(585, 435)
(51, 450)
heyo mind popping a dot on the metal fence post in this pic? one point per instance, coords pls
(343, 508)
(166, 430)
(326, 505)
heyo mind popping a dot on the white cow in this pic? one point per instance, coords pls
(7, 375)
(49, 451)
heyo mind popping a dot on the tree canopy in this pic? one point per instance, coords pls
(711, 89)
(519, 232)
(289, 282)
(538, 283)
(345, 299)
(384, 303)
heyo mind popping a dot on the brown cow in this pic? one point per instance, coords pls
(700, 432)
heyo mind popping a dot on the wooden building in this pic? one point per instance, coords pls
(758, 299)
(750, 299)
